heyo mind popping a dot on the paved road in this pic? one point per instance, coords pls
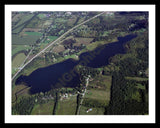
(53, 43)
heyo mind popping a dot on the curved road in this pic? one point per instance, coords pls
(53, 43)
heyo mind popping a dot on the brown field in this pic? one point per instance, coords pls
(59, 48)
(71, 21)
(31, 29)
(16, 17)
(80, 41)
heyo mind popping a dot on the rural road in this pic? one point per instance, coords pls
(53, 43)
(83, 94)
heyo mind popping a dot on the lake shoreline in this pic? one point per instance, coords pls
(43, 79)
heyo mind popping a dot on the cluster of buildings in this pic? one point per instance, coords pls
(65, 96)
(47, 97)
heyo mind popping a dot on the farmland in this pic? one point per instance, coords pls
(97, 95)
(43, 109)
(19, 48)
(17, 61)
(67, 106)
(24, 40)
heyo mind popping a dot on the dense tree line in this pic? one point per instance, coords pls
(56, 103)
(131, 67)
(121, 103)
(79, 97)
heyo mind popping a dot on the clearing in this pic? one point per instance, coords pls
(43, 109)
(67, 106)
(18, 60)
(97, 96)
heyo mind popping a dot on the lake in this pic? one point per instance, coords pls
(63, 74)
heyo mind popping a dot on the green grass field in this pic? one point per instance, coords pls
(94, 45)
(95, 111)
(24, 40)
(33, 33)
(71, 56)
(23, 19)
(22, 22)
(67, 106)
(50, 38)
(18, 60)
(98, 92)
(43, 109)
(18, 48)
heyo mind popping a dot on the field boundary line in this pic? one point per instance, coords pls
(53, 43)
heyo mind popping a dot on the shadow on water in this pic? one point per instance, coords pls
(43, 79)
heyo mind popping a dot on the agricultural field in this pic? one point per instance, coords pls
(18, 61)
(20, 21)
(20, 91)
(95, 111)
(97, 96)
(67, 106)
(80, 41)
(19, 48)
(59, 48)
(27, 39)
(43, 109)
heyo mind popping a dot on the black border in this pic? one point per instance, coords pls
(153, 125)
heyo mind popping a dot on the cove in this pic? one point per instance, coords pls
(43, 79)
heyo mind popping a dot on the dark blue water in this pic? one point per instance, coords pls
(63, 74)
